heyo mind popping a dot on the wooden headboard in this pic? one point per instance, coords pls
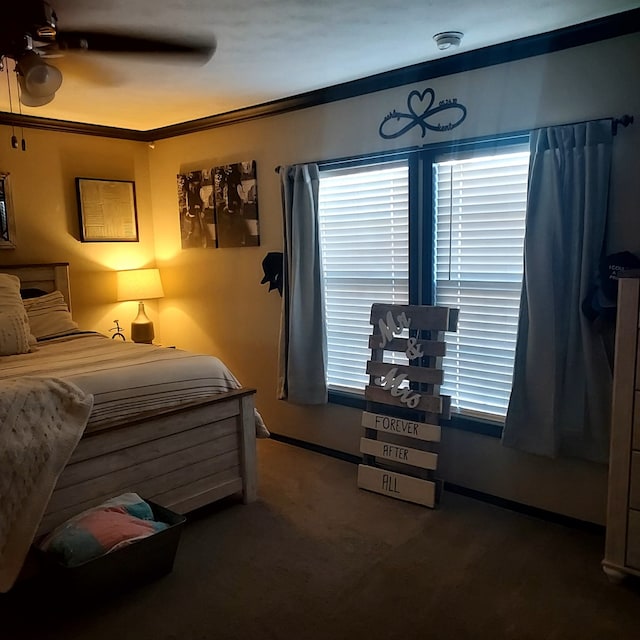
(49, 277)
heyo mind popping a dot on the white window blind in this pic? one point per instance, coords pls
(480, 220)
(364, 239)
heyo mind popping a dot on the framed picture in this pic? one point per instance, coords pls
(7, 225)
(107, 210)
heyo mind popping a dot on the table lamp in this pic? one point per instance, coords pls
(140, 284)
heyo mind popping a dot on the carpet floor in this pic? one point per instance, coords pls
(316, 558)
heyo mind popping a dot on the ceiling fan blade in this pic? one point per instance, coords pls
(192, 49)
(90, 70)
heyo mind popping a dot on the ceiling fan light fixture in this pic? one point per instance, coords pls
(39, 79)
(448, 39)
(46, 32)
(29, 100)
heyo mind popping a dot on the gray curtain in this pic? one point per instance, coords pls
(303, 344)
(561, 396)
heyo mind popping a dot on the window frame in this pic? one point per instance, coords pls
(422, 226)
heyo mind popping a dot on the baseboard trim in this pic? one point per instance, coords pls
(348, 457)
(511, 505)
(528, 510)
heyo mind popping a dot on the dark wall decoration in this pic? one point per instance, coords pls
(219, 206)
(421, 112)
(273, 265)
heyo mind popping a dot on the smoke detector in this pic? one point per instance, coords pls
(448, 39)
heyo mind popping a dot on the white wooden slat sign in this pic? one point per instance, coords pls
(427, 347)
(417, 316)
(415, 374)
(401, 427)
(397, 485)
(395, 395)
(399, 453)
(415, 390)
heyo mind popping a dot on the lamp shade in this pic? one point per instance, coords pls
(139, 284)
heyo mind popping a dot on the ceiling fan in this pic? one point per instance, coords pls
(29, 35)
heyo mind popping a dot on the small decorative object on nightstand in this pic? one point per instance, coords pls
(140, 284)
(118, 331)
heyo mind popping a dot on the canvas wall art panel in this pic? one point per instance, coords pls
(196, 208)
(236, 205)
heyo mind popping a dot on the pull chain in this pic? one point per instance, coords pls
(24, 142)
(14, 139)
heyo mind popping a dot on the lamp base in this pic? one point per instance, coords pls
(142, 328)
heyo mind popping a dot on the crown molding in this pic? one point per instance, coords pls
(577, 35)
(68, 126)
(613, 26)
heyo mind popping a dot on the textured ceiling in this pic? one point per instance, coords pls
(272, 49)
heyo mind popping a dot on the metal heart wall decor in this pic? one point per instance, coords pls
(422, 113)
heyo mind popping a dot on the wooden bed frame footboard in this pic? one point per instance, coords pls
(182, 459)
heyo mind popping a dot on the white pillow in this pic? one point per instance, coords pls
(49, 316)
(14, 333)
(10, 300)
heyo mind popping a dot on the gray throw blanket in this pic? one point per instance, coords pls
(41, 422)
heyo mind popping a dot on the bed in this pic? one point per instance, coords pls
(197, 449)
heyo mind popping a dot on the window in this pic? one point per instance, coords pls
(465, 252)
(480, 213)
(364, 240)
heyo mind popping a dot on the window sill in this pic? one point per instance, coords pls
(464, 423)
(476, 425)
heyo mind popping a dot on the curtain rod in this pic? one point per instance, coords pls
(624, 120)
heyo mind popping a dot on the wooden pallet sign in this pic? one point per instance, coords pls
(404, 405)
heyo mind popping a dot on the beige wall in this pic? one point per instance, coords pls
(45, 211)
(214, 300)
(217, 304)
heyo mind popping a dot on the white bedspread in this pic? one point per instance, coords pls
(126, 379)
(41, 422)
